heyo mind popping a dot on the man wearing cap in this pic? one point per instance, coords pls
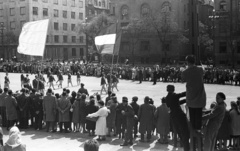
(179, 119)
(135, 107)
(129, 113)
(195, 93)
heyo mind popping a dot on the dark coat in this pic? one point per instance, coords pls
(11, 108)
(90, 125)
(146, 118)
(50, 107)
(22, 101)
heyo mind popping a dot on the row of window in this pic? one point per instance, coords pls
(65, 26)
(99, 3)
(55, 53)
(65, 39)
(64, 2)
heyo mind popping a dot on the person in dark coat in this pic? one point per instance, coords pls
(140, 73)
(135, 107)
(37, 106)
(146, 119)
(31, 111)
(23, 109)
(90, 125)
(82, 90)
(179, 119)
(3, 107)
(155, 76)
(35, 83)
(82, 109)
(11, 109)
(129, 113)
(120, 121)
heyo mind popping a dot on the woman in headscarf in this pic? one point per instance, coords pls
(14, 141)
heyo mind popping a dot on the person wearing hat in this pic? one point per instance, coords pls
(135, 107)
(178, 117)
(146, 119)
(83, 90)
(23, 109)
(195, 93)
(14, 142)
(129, 113)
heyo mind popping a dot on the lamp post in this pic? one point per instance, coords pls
(2, 27)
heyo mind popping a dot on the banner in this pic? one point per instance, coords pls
(32, 39)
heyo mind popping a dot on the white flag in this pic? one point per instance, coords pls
(32, 39)
(105, 43)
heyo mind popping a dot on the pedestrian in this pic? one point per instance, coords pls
(101, 124)
(11, 109)
(76, 113)
(69, 79)
(2, 106)
(51, 79)
(82, 109)
(215, 118)
(49, 109)
(14, 141)
(91, 125)
(120, 121)
(60, 79)
(196, 95)
(63, 106)
(111, 118)
(146, 119)
(37, 106)
(6, 81)
(163, 122)
(103, 83)
(129, 113)
(78, 78)
(135, 107)
(83, 90)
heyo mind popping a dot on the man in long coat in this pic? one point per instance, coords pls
(49, 109)
(11, 109)
(37, 106)
(146, 118)
(3, 107)
(23, 109)
(63, 106)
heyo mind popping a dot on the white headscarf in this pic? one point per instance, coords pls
(14, 137)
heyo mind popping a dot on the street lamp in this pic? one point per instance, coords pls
(2, 27)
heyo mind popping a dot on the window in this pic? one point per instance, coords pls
(65, 26)
(64, 14)
(22, 23)
(47, 40)
(64, 2)
(35, 10)
(81, 52)
(45, 12)
(222, 47)
(55, 26)
(35, 0)
(22, 10)
(12, 11)
(166, 7)
(238, 47)
(103, 3)
(45, 1)
(1, 12)
(81, 4)
(73, 39)
(73, 27)
(145, 9)
(73, 3)
(56, 39)
(81, 39)
(55, 2)
(95, 2)
(73, 15)
(65, 38)
(74, 52)
(223, 6)
(145, 46)
(55, 14)
(12, 25)
(99, 4)
(81, 16)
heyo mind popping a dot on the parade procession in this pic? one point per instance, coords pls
(112, 75)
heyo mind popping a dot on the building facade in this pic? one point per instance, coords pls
(149, 49)
(63, 40)
(226, 25)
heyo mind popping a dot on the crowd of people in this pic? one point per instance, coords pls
(180, 115)
(142, 73)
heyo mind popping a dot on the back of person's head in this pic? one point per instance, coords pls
(163, 100)
(68, 91)
(190, 59)
(49, 91)
(74, 94)
(64, 94)
(146, 99)
(84, 96)
(57, 95)
(101, 103)
(91, 145)
(10, 92)
(5, 90)
(33, 90)
(98, 97)
(135, 99)
(170, 88)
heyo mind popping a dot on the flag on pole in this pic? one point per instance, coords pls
(32, 39)
(107, 39)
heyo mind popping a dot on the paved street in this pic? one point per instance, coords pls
(40, 140)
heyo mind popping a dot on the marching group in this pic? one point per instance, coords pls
(125, 119)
